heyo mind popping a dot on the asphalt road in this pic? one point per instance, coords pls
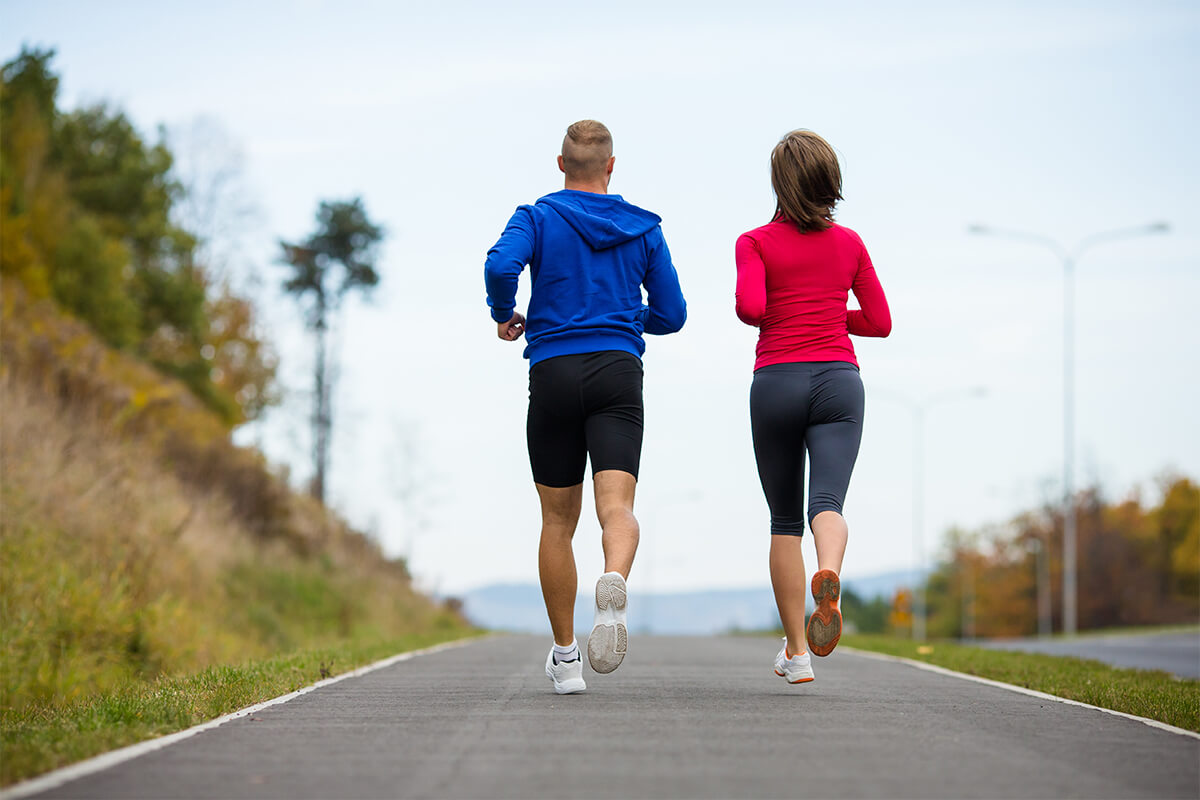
(1177, 652)
(683, 717)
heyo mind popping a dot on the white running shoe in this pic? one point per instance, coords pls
(610, 636)
(797, 669)
(566, 675)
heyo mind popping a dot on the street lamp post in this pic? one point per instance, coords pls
(918, 410)
(1069, 258)
(1041, 578)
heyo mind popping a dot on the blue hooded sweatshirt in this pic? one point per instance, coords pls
(589, 257)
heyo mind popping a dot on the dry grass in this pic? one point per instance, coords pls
(137, 543)
(114, 569)
(109, 564)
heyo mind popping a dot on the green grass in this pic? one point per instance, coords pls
(1155, 695)
(39, 738)
(1135, 630)
(133, 604)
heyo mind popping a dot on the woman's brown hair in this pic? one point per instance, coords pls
(807, 180)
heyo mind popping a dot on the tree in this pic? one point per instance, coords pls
(865, 616)
(1178, 522)
(339, 257)
(216, 204)
(88, 211)
(217, 208)
(1137, 566)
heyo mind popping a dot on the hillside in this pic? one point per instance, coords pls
(138, 542)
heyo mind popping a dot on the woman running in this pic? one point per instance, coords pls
(793, 276)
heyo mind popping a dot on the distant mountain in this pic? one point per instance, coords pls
(882, 585)
(519, 607)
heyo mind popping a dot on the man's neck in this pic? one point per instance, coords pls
(581, 186)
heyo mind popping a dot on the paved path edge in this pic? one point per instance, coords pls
(112, 758)
(1153, 723)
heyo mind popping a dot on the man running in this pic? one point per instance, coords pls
(590, 253)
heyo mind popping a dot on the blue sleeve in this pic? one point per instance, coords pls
(505, 261)
(665, 310)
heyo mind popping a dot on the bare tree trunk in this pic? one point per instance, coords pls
(345, 238)
(322, 416)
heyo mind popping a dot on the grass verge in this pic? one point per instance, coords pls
(39, 738)
(1154, 695)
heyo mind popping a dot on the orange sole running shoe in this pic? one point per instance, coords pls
(796, 669)
(825, 625)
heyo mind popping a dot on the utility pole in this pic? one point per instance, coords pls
(1068, 258)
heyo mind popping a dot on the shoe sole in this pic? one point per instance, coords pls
(825, 625)
(569, 686)
(610, 638)
(789, 680)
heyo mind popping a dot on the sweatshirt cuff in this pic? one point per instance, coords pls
(503, 314)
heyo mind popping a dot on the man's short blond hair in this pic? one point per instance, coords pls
(586, 149)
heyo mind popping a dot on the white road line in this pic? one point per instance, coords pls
(58, 777)
(1153, 723)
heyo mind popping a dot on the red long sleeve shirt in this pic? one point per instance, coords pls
(793, 286)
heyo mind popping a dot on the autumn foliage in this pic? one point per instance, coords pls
(1137, 565)
(137, 541)
(89, 215)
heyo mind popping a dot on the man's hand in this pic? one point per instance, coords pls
(511, 331)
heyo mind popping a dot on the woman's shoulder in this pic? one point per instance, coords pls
(773, 228)
(848, 234)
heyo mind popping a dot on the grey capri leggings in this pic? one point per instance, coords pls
(815, 406)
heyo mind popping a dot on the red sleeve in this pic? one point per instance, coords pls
(751, 292)
(875, 318)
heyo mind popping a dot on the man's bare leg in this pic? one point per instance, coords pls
(556, 558)
(614, 508)
(609, 638)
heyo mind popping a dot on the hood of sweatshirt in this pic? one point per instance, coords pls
(603, 220)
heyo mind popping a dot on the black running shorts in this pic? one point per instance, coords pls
(581, 405)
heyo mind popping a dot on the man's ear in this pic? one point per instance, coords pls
(611, 160)
(561, 168)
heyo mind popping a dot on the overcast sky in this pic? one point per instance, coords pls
(1062, 119)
